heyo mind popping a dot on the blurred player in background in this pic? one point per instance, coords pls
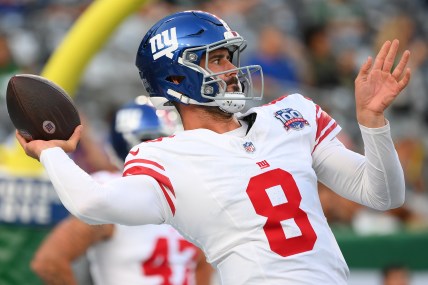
(150, 254)
(241, 187)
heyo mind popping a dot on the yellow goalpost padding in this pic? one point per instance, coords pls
(66, 65)
(84, 40)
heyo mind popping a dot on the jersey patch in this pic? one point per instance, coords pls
(292, 119)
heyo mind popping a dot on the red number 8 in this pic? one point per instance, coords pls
(275, 234)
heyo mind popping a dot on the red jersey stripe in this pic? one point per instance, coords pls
(141, 170)
(161, 179)
(146, 161)
(326, 133)
(323, 119)
(168, 199)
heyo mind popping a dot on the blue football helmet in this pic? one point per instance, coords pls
(174, 47)
(134, 123)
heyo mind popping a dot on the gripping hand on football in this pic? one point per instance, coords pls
(34, 148)
(378, 84)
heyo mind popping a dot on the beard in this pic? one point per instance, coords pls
(233, 85)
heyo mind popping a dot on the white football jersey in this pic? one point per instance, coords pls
(142, 255)
(250, 199)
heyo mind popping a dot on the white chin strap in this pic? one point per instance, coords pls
(229, 106)
(232, 105)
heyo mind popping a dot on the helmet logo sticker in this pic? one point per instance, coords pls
(164, 44)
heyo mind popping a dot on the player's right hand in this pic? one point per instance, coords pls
(34, 148)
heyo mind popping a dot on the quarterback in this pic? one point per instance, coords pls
(241, 186)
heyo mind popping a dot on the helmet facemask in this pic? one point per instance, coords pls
(213, 87)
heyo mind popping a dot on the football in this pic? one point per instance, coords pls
(40, 109)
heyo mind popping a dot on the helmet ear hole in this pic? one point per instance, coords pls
(176, 79)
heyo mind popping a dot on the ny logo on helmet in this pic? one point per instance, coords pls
(164, 43)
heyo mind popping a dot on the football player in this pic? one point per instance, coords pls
(118, 254)
(241, 186)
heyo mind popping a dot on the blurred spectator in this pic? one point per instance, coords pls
(322, 69)
(346, 23)
(347, 67)
(279, 69)
(344, 19)
(411, 109)
(8, 68)
(395, 274)
(338, 210)
(412, 152)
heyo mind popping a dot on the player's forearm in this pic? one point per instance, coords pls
(71, 183)
(53, 260)
(119, 201)
(383, 168)
(375, 180)
(203, 274)
(53, 272)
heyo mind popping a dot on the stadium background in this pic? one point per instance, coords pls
(313, 47)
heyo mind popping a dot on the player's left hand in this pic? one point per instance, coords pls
(377, 86)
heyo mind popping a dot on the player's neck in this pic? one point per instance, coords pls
(197, 117)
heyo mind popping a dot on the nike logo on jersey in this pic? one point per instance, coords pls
(292, 119)
(135, 152)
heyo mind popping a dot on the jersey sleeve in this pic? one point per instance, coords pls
(326, 127)
(375, 179)
(139, 163)
(131, 200)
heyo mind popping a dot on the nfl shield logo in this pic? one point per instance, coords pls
(249, 147)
